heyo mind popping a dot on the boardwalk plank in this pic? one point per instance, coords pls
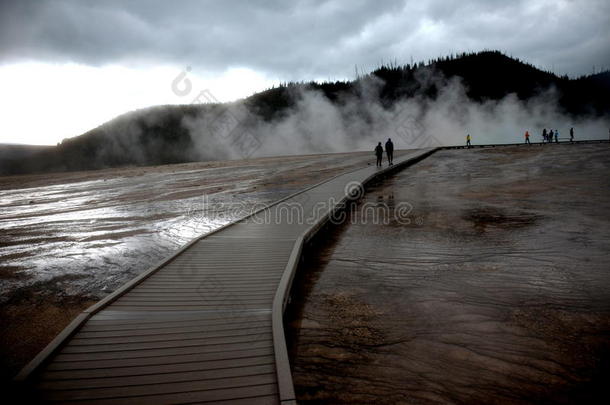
(161, 388)
(243, 370)
(169, 330)
(248, 394)
(155, 337)
(165, 344)
(164, 352)
(158, 365)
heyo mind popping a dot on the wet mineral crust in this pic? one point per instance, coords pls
(492, 286)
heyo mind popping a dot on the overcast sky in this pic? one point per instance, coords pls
(67, 66)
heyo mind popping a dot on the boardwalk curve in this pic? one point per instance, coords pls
(205, 324)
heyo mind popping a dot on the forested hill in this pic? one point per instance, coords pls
(489, 75)
(158, 135)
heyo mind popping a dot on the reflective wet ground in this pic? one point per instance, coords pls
(68, 239)
(93, 231)
(489, 282)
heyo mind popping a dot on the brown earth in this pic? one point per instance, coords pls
(494, 289)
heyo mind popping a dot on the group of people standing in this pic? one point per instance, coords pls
(548, 137)
(389, 150)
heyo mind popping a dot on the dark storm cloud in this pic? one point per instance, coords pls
(304, 39)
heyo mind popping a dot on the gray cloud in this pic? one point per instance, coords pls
(304, 39)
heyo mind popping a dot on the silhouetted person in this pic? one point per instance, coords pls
(527, 137)
(389, 150)
(468, 144)
(544, 135)
(550, 135)
(556, 136)
(571, 134)
(379, 153)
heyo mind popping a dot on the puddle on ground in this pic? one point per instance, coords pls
(484, 217)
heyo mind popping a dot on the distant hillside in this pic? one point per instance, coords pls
(160, 135)
(17, 152)
(489, 75)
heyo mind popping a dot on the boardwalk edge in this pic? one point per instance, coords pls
(284, 375)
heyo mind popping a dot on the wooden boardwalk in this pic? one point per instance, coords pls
(203, 326)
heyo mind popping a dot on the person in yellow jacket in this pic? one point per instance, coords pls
(468, 144)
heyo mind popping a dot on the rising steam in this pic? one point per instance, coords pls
(358, 121)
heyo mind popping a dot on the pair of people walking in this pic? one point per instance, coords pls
(389, 149)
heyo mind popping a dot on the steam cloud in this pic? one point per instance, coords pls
(357, 122)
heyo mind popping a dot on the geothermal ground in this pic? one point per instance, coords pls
(475, 276)
(494, 289)
(68, 239)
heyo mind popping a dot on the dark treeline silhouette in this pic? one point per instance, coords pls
(157, 135)
(18, 151)
(488, 75)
